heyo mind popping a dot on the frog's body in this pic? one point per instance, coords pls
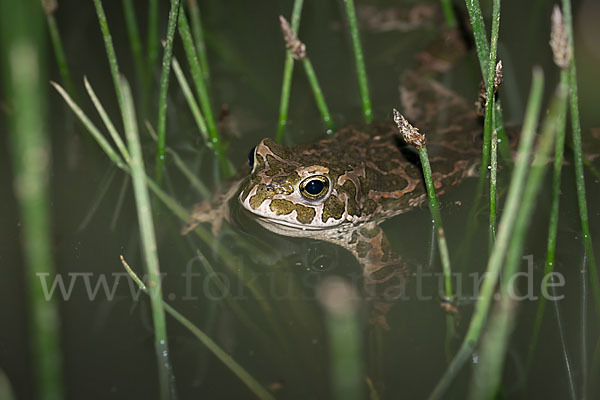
(341, 188)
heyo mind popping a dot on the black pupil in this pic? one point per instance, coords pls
(314, 187)
(251, 156)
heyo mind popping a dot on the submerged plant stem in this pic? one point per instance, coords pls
(199, 38)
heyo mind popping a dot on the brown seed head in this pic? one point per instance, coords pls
(410, 134)
(292, 43)
(559, 42)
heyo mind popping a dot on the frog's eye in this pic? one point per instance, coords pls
(251, 156)
(314, 187)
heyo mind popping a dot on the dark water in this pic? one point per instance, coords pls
(280, 338)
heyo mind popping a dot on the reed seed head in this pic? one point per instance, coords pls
(559, 41)
(292, 43)
(410, 134)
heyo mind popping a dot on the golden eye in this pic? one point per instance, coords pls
(314, 187)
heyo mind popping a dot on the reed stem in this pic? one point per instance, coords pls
(146, 226)
(191, 100)
(449, 13)
(505, 230)
(135, 43)
(319, 99)
(236, 368)
(202, 92)
(110, 51)
(164, 87)
(288, 70)
(23, 67)
(361, 71)
(198, 33)
(486, 378)
(578, 160)
(59, 53)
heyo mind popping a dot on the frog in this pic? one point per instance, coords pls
(342, 187)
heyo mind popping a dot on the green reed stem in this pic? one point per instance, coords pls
(236, 368)
(192, 57)
(153, 42)
(490, 106)
(198, 33)
(437, 222)
(146, 226)
(505, 230)
(105, 118)
(319, 99)
(360, 61)
(288, 69)
(553, 224)
(102, 142)
(578, 160)
(191, 100)
(338, 299)
(135, 42)
(486, 378)
(23, 66)
(481, 42)
(182, 167)
(172, 205)
(583, 328)
(449, 15)
(493, 182)
(59, 53)
(164, 87)
(110, 51)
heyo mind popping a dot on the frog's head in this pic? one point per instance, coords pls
(295, 188)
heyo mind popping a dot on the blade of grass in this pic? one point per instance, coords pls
(59, 53)
(23, 68)
(110, 51)
(288, 69)
(135, 42)
(153, 43)
(202, 92)
(556, 179)
(102, 142)
(199, 38)
(182, 167)
(449, 13)
(105, 118)
(486, 378)
(578, 160)
(488, 126)
(189, 97)
(505, 230)
(146, 226)
(236, 368)
(164, 87)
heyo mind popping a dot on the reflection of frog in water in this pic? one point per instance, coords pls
(341, 188)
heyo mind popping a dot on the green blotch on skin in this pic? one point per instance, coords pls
(261, 195)
(304, 215)
(363, 248)
(332, 208)
(350, 189)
